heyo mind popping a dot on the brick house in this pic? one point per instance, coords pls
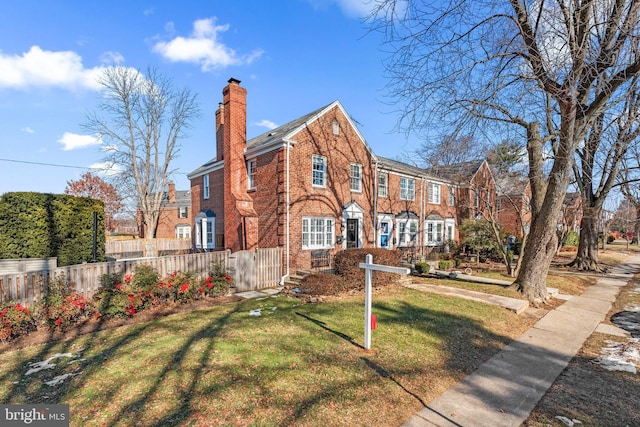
(474, 188)
(514, 204)
(312, 186)
(175, 220)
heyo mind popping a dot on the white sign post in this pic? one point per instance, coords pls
(369, 266)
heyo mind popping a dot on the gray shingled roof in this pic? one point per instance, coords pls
(183, 198)
(458, 172)
(276, 135)
(204, 167)
(401, 167)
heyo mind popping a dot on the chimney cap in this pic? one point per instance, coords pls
(233, 81)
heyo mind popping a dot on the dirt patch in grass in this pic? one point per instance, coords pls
(587, 392)
(44, 335)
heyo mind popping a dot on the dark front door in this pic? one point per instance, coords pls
(352, 233)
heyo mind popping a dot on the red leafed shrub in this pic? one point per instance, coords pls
(322, 284)
(15, 320)
(63, 306)
(346, 264)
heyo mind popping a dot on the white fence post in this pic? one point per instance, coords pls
(369, 266)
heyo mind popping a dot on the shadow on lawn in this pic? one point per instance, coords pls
(465, 342)
(35, 390)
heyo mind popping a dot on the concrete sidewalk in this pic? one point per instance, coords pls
(505, 389)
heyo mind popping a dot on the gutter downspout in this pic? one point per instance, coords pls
(422, 219)
(287, 213)
(375, 204)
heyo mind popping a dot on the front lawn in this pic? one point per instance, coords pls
(293, 364)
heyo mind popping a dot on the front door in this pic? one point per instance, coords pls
(352, 233)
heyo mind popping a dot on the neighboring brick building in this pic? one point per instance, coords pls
(314, 186)
(514, 204)
(474, 187)
(175, 220)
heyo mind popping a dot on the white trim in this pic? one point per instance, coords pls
(360, 169)
(214, 167)
(251, 184)
(324, 172)
(390, 232)
(328, 236)
(352, 211)
(263, 149)
(434, 223)
(407, 223)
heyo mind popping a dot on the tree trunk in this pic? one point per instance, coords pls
(547, 199)
(531, 280)
(587, 256)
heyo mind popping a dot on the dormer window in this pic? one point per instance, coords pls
(336, 128)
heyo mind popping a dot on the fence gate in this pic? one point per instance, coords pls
(257, 270)
(244, 270)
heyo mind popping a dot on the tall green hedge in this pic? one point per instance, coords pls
(39, 225)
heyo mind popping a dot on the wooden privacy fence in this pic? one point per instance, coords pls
(257, 270)
(146, 247)
(27, 288)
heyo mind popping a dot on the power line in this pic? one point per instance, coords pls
(66, 166)
(45, 164)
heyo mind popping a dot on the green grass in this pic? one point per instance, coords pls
(296, 364)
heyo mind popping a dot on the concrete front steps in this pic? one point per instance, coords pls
(293, 280)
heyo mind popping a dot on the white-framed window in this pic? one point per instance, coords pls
(319, 171)
(477, 199)
(383, 184)
(407, 232)
(336, 127)
(183, 232)
(251, 174)
(205, 226)
(356, 177)
(434, 193)
(205, 187)
(449, 226)
(183, 211)
(452, 197)
(317, 232)
(407, 188)
(433, 232)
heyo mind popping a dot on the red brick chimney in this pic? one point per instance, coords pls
(240, 219)
(219, 132)
(171, 194)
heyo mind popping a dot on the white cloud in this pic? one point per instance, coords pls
(356, 8)
(350, 8)
(111, 58)
(203, 47)
(266, 124)
(106, 169)
(72, 141)
(44, 68)
(27, 129)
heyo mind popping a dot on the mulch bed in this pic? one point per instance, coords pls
(44, 335)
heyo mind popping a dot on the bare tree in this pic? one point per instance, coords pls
(548, 68)
(143, 118)
(449, 150)
(597, 169)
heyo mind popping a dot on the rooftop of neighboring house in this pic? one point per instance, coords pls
(183, 198)
(512, 185)
(398, 166)
(459, 172)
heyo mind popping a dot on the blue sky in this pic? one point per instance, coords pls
(292, 56)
